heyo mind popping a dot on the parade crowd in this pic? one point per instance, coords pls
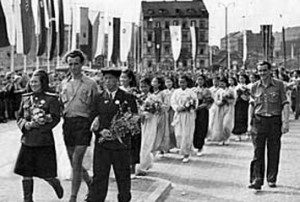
(178, 112)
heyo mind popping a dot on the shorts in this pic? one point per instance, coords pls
(76, 131)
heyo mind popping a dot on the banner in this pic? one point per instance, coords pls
(194, 42)
(84, 26)
(61, 28)
(19, 30)
(157, 43)
(267, 41)
(8, 8)
(292, 51)
(110, 38)
(3, 34)
(116, 41)
(41, 28)
(27, 25)
(75, 26)
(99, 49)
(125, 39)
(175, 32)
(95, 30)
(52, 29)
(245, 46)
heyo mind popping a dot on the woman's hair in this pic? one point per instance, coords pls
(147, 81)
(224, 80)
(44, 79)
(131, 77)
(173, 79)
(245, 77)
(234, 80)
(190, 82)
(204, 78)
(161, 83)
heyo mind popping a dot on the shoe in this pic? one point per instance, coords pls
(199, 153)
(254, 186)
(272, 184)
(55, 183)
(185, 160)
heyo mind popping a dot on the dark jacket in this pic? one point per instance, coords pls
(106, 109)
(43, 135)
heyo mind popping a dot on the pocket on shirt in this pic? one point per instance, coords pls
(273, 97)
(85, 97)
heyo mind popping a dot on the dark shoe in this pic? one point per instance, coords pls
(272, 184)
(27, 190)
(55, 183)
(254, 186)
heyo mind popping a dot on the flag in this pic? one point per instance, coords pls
(27, 25)
(267, 41)
(61, 28)
(99, 49)
(125, 40)
(110, 38)
(41, 28)
(19, 30)
(95, 34)
(245, 46)
(8, 8)
(52, 29)
(87, 48)
(3, 34)
(75, 26)
(86, 33)
(292, 51)
(194, 42)
(175, 32)
(116, 41)
(157, 43)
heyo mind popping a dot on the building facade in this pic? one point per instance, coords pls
(162, 14)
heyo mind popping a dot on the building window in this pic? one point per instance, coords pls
(185, 36)
(177, 11)
(184, 25)
(167, 49)
(157, 24)
(202, 24)
(175, 22)
(149, 50)
(149, 63)
(149, 24)
(202, 63)
(201, 50)
(149, 36)
(167, 24)
(193, 23)
(167, 35)
(150, 11)
(202, 37)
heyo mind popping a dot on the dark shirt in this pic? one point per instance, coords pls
(268, 100)
(42, 135)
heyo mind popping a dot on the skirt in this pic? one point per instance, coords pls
(36, 162)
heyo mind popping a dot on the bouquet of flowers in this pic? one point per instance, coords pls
(37, 113)
(123, 124)
(189, 104)
(228, 97)
(152, 105)
(243, 90)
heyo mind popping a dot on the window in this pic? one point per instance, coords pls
(175, 22)
(202, 37)
(202, 24)
(149, 63)
(157, 24)
(184, 25)
(177, 11)
(167, 35)
(193, 23)
(202, 63)
(167, 24)
(149, 50)
(185, 36)
(149, 24)
(201, 50)
(150, 11)
(149, 36)
(167, 49)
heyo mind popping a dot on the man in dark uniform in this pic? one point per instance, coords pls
(111, 152)
(267, 105)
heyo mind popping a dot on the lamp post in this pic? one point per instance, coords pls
(226, 6)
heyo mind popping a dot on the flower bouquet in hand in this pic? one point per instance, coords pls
(38, 114)
(152, 105)
(243, 92)
(189, 104)
(122, 125)
(228, 97)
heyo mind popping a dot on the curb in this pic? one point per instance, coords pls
(163, 188)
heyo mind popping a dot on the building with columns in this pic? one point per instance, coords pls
(162, 14)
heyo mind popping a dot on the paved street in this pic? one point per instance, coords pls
(220, 175)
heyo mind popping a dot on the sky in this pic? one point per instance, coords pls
(242, 14)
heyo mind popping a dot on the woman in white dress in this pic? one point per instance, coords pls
(221, 117)
(184, 118)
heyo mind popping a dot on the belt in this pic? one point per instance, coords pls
(267, 115)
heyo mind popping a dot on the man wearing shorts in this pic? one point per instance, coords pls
(77, 97)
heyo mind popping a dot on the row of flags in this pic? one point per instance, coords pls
(23, 21)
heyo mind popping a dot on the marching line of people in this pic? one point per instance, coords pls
(176, 113)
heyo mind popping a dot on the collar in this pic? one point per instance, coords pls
(113, 94)
(271, 83)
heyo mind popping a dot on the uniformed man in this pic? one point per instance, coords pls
(268, 104)
(77, 97)
(111, 152)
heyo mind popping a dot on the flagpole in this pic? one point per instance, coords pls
(175, 66)
(12, 59)
(25, 63)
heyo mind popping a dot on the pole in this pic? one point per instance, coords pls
(227, 38)
(284, 47)
(210, 56)
(134, 49)
(12, 58)
(25, 63)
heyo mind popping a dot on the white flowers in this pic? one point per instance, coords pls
(117, 102)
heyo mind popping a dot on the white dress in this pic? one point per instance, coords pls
(184, 122)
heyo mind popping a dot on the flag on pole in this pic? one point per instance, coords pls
(8, 8)
(194, 42)
(41, 28)
(110, 38)
(116, 41)
(52, 29)
(292, 51)
(267, 41)
(61, 28)
(27, 25)
(95, 29)
(175, 32)
(157, 43)
(75, 27)
(99, 44)
(19, 30)
(125, 39)
(245, 46)
(86, 33)
(3, 34)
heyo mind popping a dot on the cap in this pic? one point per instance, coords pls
(112, 70)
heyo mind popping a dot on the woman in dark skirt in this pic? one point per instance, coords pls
(202, 113)
(37, 116)
(129, 84)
